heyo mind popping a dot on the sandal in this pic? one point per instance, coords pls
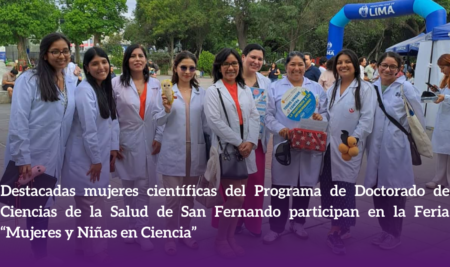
(170, 247)
(237, 249)
(190, 243)
(224, 249)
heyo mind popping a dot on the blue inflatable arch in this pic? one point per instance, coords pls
(434, 14)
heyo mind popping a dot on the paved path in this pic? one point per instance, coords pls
(424, 240)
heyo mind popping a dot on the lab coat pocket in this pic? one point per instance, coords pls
(40, 157)
(397, 138)
(349, 109)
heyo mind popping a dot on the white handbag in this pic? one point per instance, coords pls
(419, 135)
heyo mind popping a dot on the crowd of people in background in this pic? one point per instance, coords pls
(81, 130)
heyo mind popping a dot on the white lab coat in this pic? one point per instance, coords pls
(137, 135)
(68, 72)
(388, 151)
(305, 166)
(218, 124)
(441, 132)
(90, 141)
(264, 83)
(38, 130)
(172, 157)
(358, 123)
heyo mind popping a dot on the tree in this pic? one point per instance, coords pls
(205, 62)
(75, 27)
(114, 49)
(165, 19)
(20, 20)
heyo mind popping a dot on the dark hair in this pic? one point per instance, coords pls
(354, 58)
(14, 71)
(72, 58)
(220, 59)
(45, 72)
(308, 54)
(104, 92)
(410, 70)
(393, 55)
(271, 65)
(330, 63)
(250, 47)
(373, 61)
(323, 60)
(126, 72)
(292, 55)
(361, 59)
(184, 55)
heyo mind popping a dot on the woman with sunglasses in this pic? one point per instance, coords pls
(138, 99)
(304, 170)
(92, 147)
(238, 129)
(183, 149)
(351, 107)
(41, 117)
(389, 162)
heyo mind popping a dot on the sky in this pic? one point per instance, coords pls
(131, 6)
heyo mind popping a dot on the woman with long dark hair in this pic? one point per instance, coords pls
(183, 149)
(351, 107)
(389, 163)
(137, 95)
(274, 72)
(239, 129)
(92, 147)
(41, 117)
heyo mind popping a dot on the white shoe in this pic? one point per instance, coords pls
(431, 185)
(270, 237)
(299, 230)
(146, 244)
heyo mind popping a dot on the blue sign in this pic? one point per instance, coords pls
(434, 14)
(298, 103)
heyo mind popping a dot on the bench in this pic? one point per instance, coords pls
(4, 97)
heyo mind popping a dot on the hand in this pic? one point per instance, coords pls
(284, 133)
(77, 71)
(119, 153)
(166, 104)
(245, 148)
(317, 117)
(433, 88)
(440, 99)
(94, 172)
(113, 157)
(156, 147)
(25, 170)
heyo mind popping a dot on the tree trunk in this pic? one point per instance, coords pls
(171, 42)
(22, 52)
(292, 41)
(97, 39)
(77, 53)
(241, 29)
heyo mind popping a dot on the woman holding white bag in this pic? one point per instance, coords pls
(389, 162)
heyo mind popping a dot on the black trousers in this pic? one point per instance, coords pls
(390, 224)
(277, 224)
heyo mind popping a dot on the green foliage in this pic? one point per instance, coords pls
(114, 49)
(205, 62)
(160, 58)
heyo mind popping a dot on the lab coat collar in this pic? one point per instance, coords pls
(399, 81)
(180, 96)
(285, 81)
(224, 91)
(353, 84)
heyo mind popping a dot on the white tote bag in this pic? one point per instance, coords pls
(419, 135)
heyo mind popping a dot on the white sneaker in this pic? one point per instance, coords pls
(299, 230)
(431, 185)
(146, 244)
(270, 237)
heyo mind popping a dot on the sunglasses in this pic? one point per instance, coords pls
(185, 68)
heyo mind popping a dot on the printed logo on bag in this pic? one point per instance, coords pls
(298, 103)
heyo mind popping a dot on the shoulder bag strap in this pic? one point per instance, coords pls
(396, 123)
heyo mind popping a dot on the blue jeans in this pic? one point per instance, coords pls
(38, 245)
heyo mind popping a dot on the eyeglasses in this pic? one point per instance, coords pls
(234, 64)
(391, 67)
(185, 68)
(57, 53)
